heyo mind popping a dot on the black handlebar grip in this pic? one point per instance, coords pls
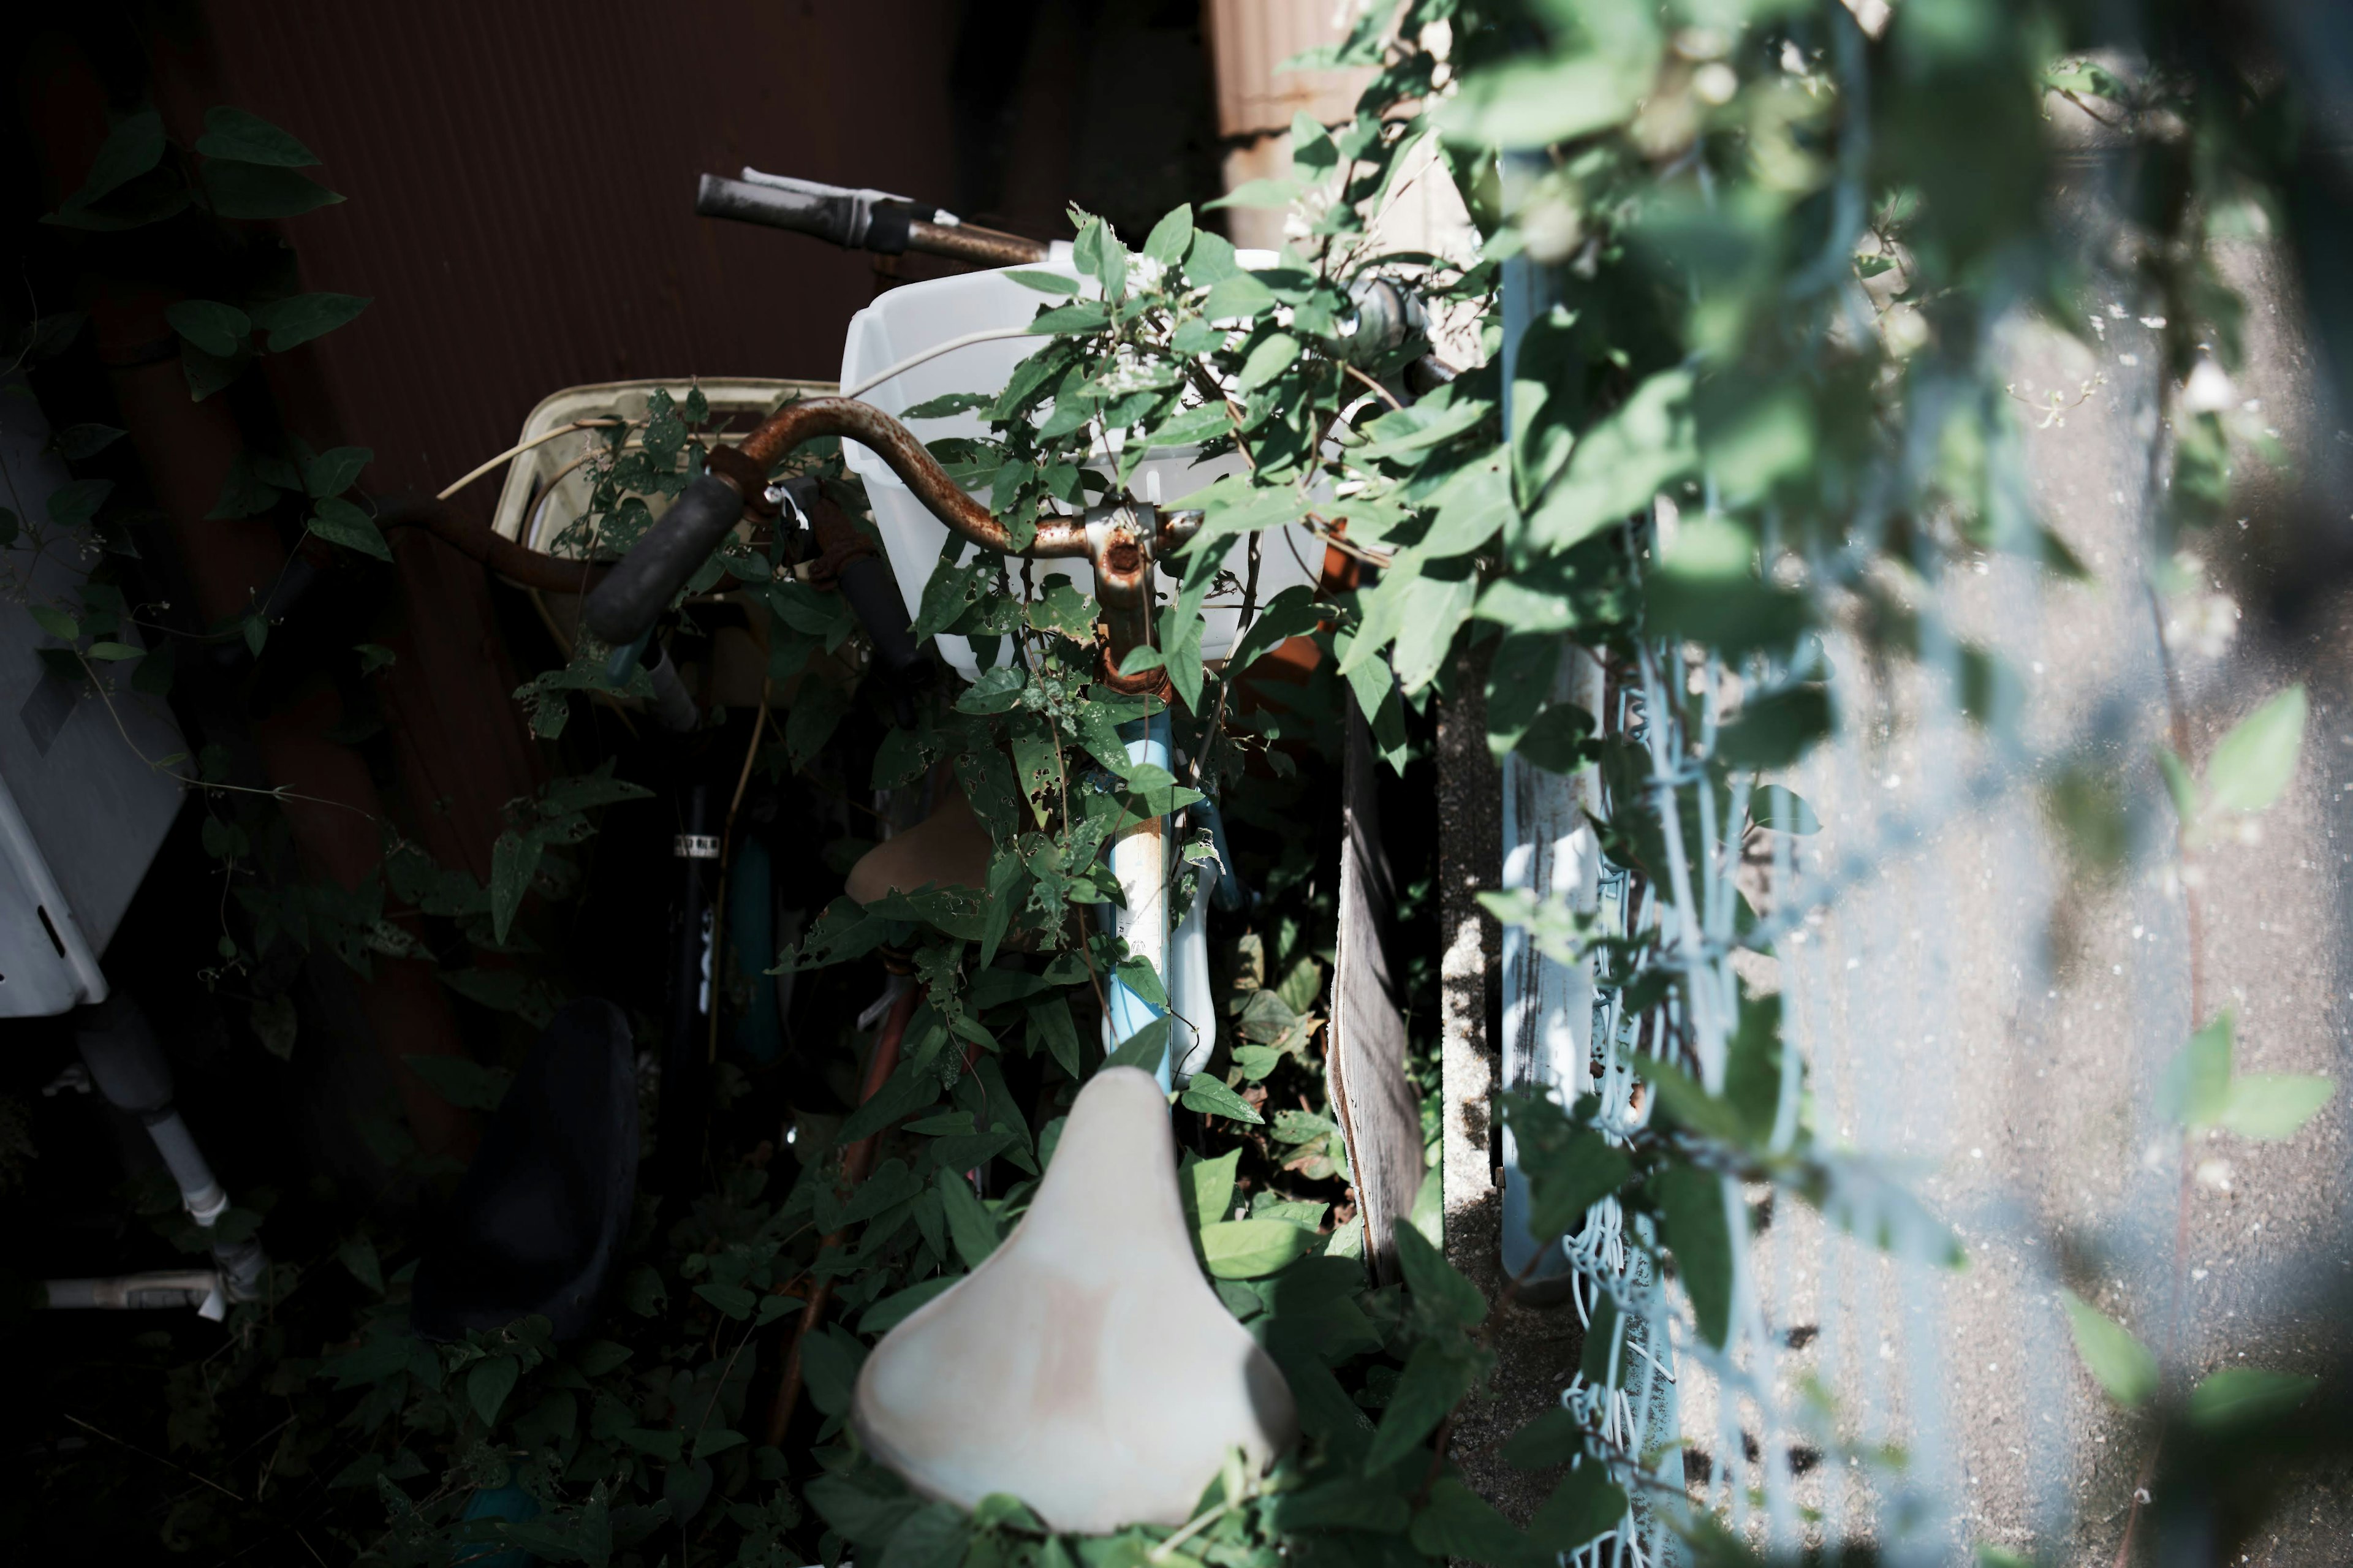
(832, 215)
(873, 593)
(640, 585)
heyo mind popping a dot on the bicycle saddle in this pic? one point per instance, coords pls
(1086, 1367)
(949, 847)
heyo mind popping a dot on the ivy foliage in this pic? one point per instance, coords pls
(1739, 271)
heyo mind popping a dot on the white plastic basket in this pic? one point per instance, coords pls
(914, 317)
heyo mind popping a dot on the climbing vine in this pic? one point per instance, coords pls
(1739, 276)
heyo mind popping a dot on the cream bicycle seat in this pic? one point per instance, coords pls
(1086, 1367)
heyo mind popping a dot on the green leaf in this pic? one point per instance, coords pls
(76, 442)
(896, 1308)
(1240, 298)
(2179, 784)
(1169, 238)
(219, 330)
(831, 1361)
(336, 470)
(338, 521)
(970, 1224)
(735, 1300)
(1586, 1503)
(1619, 465)
(244, 493)
(1208, 1187)
(1438, 1376)
(206, 373)
(2272, 1106)
(113, 650)
(299, 318)
(644, 1292)
(1051, 1025)
(2201, 1078)
(514, 859)
(934, 1536)
(1436, 1284)
(358, 1255)
(947, 404)
(239, 190)
(275, 1022)
(1271, 356)
(1078, 317)
(1458, 1523)
(1260, 193)
(489, 1384)
(2243, 1395)
(463, 1083)
(1205, 1094)
(374, 656)
(134, 146)
(1416, 428)
(1145, 1049)
(1796, 818)
(1556, 1436)
(1569, 1168)
(249, 138)
(75, 502)
(1534, 101)
(57, 623)
(2257, 758)
(1250, 1249)
(856, 1509)
(2120, 1363)
(717, 1440)
(1691, 1209)
(1045, 283)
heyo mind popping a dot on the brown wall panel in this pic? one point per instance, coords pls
(521, 177)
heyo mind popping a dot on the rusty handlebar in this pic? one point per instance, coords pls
(1119, 542)
(861, 220)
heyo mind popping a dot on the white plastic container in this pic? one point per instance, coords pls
(906, 321)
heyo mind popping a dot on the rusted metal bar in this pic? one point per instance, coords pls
(921, 472)
(524, 567)
(1123, 563)
(857, 1161)
(981, 247)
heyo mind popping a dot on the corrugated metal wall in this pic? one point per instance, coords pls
(521, 177)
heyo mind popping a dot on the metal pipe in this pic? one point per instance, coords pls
(1139, 860)
(857, 1161)
(981, 247)
(1121, 557)
(1056, 538)
(165, 1288)
(523, 566)
(871, 220)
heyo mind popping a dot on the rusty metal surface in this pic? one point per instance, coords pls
(524, 568)
(520, 180)
(1058, 538)
(980, 246)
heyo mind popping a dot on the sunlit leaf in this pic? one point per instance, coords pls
(2117, 1362)
(2257, 758)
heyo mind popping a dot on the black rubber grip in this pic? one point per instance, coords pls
(828, 216)
(886, 231)
(873, 593)
(641, 586)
